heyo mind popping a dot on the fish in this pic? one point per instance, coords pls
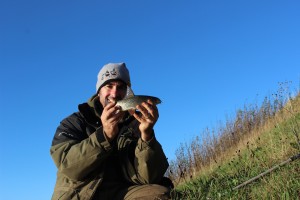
(133, 101)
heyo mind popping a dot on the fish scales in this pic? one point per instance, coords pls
(132, 102)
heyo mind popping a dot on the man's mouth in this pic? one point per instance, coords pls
(107, 101)
(110, 100)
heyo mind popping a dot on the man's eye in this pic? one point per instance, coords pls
(123, 87)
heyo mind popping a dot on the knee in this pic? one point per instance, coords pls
(149, 192)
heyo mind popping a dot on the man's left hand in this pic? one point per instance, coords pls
(147, 118)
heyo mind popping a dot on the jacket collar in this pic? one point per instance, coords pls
(92, 110)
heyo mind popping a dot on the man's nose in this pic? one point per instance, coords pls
(114, 92)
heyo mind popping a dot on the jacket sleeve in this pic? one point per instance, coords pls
(74, 153)
(150, 161)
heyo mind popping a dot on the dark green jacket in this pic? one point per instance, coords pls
(84, 157)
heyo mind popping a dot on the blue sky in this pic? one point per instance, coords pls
(204, 59)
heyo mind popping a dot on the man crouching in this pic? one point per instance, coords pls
(104, 153)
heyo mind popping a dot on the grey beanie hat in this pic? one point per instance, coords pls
(113, 71)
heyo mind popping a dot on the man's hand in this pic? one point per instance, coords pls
(110, 117)
(148, 117)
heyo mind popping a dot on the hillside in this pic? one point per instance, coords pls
(259, 138)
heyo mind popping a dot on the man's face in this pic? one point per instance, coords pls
(112, 91)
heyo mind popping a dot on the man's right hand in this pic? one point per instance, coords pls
(110, 118)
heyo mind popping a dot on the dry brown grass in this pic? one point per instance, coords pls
(224, 142)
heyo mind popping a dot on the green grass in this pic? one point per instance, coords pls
(276, 144)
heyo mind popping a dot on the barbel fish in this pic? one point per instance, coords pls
(133, 101)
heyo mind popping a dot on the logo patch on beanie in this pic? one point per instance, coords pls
(109, 74)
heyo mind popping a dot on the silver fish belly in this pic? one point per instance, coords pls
(132, 102)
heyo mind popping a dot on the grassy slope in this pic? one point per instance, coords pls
(270, 146)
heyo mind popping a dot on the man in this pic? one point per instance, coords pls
(104, 153)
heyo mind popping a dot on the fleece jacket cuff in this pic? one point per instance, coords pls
(102, 139)
(143, 145)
